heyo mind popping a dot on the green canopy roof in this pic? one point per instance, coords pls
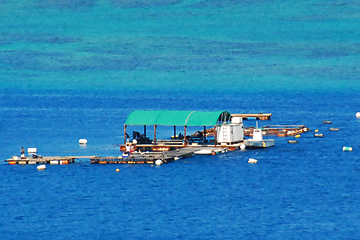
(178, 118)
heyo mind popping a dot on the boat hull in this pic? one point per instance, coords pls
(250, 143)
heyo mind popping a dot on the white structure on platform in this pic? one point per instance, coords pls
(32, 151)
(257, 141)
(231, 133)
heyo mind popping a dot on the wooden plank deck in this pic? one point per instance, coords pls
(151, 157)
(257, 116)
(46, 160)
(134, 158)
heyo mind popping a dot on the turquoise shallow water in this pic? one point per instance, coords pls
(76, 69)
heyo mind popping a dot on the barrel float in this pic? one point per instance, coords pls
(82, 141)
(327, 122)
(252, 160)
(358, 115)
(334, 129)
(63, 162)
(158, 162)
(292, 141)
(12, 162)
(347, 149)
(297, 136)
(41, 167)
(318, 135)
(54, 162)
(22, 162)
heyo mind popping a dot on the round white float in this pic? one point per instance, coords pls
(358, 115)
(41, 167)
(82, 141)
(252, 160)
(158, 162)
(242, 146)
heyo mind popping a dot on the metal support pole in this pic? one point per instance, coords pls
(155, 135)
(174, 131)
(145, 131)
(215, 137)
(125, 134)
(185, 135)
(204, 133)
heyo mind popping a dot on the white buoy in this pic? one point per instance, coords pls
(176, 158)
(242, 146)
(82, 141)
(358, 115)
(41, 167)
(252, 160)
(347, 149)
(158, 162)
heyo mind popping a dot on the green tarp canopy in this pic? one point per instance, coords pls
(178, 118)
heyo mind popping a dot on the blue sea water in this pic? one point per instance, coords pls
(76, 69)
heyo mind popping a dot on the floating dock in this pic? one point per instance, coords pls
(44, 160)
(152, 157)
(278, 130)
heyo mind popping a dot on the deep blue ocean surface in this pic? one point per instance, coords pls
(72, 69)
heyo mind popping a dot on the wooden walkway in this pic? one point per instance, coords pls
(134, 158)
(151, 157)
(257, 116)
(45, 160)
